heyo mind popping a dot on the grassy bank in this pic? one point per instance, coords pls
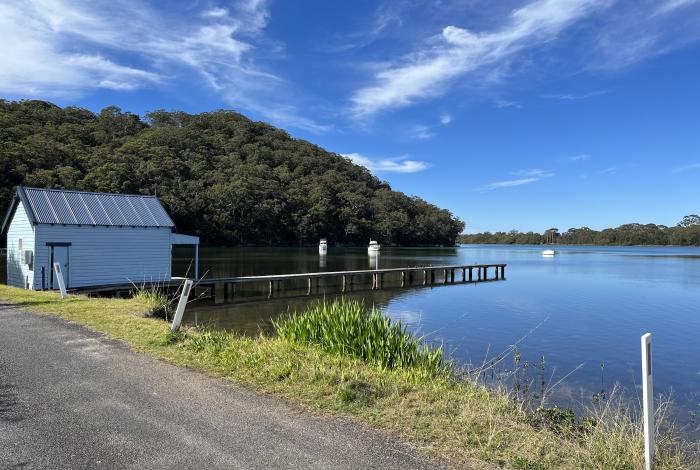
(460, 422)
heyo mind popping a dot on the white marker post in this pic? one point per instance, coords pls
(59, 278)
(182, 304)
(648, 397)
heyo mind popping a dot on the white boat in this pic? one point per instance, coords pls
(322, 247)
(373, 247)
(549, 253)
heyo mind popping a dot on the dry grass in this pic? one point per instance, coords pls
(460, 422)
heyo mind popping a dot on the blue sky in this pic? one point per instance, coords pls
(512, 114)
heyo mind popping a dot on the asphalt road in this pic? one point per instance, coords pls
(72, 399)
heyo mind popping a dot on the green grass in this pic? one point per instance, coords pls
(462, 423)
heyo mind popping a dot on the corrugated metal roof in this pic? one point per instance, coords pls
(58, 206)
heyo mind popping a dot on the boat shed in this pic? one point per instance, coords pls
(98, 239)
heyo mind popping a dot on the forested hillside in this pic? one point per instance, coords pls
(220, 175)
(685, 233)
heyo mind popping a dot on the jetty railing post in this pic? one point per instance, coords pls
(648, 402)
(59, 278)
(196, 262)
(184, 295)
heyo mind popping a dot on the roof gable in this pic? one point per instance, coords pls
(65, 207)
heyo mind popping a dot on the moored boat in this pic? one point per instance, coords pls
(549, 253)
(373, 247)
(323, 246)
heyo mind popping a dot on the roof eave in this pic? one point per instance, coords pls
(20, 196)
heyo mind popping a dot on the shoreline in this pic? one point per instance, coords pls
(458, 421)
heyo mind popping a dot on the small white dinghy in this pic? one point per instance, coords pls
(373, 247)
(549, 253)
(322, 247)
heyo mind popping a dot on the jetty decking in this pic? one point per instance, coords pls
(224, 289)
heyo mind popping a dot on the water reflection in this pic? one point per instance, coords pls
(373, 259)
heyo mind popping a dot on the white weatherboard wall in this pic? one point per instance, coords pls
(106, 255)
(18, 273)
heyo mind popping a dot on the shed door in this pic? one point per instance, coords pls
(59, 254)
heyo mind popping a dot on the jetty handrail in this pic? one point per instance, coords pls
(271, 277)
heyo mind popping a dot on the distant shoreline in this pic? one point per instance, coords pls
(584, 244)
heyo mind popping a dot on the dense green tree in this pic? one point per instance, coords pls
(220, 175)
(690, 220)
(686, 233)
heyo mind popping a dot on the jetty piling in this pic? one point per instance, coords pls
(224, 289)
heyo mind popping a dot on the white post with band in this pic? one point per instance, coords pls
(186, 288)
(59, 278)
(648, 402)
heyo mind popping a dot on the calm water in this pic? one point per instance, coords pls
(595, 303)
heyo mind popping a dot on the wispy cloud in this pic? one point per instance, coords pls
(458, 52)
(40, 38)
(610, 34)
(507, 104)
(388, 165)
(692, 166)
(576, 97)
(580, 158)
(647, 29)
(522, 177)
(423, 131)
(385, 17)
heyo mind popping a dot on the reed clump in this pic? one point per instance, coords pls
(347, 327)
(158, 302)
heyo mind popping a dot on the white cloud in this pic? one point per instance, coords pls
(576, 97)
(579, 158)
(33, 61)
(63, 48)
(215, 12)
(445, 119)
(393, 165)
(458, 52)
(523, 177)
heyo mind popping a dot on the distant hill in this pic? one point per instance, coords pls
(220, 175)
(685, 233)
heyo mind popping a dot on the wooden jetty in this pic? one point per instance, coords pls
(224, 289)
